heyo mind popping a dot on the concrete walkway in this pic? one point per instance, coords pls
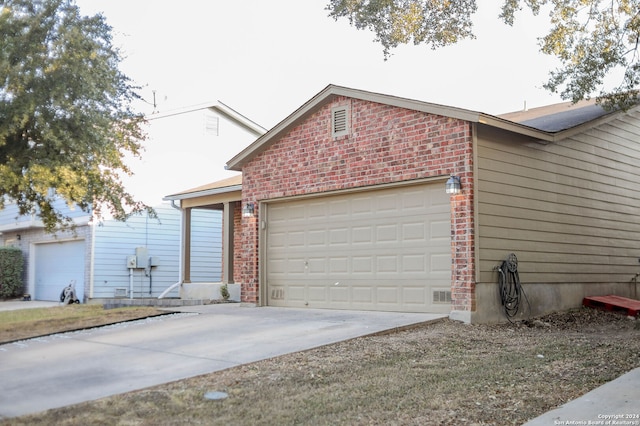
(70, 368)
(614, 403)
(14, 305)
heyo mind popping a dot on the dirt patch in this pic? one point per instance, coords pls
(444, 373)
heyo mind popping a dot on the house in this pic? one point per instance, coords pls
(139, 258)
(344, 207)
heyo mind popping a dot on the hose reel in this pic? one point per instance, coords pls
(511, 291)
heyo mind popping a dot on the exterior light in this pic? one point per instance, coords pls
(248, 210)
(453, 185)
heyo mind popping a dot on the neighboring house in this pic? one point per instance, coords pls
(344, 206)
(184, 147)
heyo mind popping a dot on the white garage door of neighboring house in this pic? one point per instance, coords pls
(384, 250)
(56, 264)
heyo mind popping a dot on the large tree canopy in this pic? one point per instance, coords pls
(66, 121)
(591, 38)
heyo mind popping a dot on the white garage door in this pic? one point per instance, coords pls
(56, 264)
(385, 250)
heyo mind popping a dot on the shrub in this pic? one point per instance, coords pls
(224, 292)
(11, 264)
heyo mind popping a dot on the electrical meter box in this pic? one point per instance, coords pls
(132, 262)
(143, 257)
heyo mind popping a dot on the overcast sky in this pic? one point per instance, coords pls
(266, 58)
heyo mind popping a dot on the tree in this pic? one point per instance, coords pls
(591, 38)
(66, 122)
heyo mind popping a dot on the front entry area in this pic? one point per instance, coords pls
(384, 249)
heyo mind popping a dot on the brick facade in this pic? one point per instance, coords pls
(386, 144)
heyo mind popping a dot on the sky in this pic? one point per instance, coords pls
(267, 58)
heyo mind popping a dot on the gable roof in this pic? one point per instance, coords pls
(538, 123)
(218, 108)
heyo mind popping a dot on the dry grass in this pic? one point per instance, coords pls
(445, 373)
(27, 323)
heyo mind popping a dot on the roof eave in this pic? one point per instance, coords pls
(203, 193)
(510, 126)
(332, 91)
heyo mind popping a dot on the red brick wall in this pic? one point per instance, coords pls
(386, 144)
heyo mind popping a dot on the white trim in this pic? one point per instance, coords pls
(204, 193)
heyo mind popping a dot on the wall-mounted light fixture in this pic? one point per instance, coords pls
(249, 210)
(19, 237)
(453, 185)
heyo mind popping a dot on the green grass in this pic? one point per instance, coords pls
(27, 323)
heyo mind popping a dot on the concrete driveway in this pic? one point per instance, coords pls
(65, 369)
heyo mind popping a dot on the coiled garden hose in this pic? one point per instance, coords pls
(511, 291)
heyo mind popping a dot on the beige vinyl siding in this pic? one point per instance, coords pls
(569, 210)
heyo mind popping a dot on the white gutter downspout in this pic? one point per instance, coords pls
(179, 283)
(131, 283)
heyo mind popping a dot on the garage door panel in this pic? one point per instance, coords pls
(414, 231)
(317, 237)
(414, 263)
(339, 236)
(387, 264)
(338, 209)
(375, 250)
(414, 295)
(415, 201)
(295, 293)
(362, 235)
(56, 265)
(439, 230)
(440, 263)
(361, 207)
(388, 295)
(362, 294)
(317, 293)
(339, 294)
(338, 265)
(387, 233)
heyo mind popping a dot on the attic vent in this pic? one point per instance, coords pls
(211, 125)
(441, 296)
(339, 121)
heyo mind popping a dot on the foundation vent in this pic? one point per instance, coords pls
(120, 292)
(277, 293)
(442, 296)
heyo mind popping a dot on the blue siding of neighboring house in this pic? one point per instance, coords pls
(206, 246)
(114, 241)
(10, 216)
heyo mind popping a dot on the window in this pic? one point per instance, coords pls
(339, 121)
